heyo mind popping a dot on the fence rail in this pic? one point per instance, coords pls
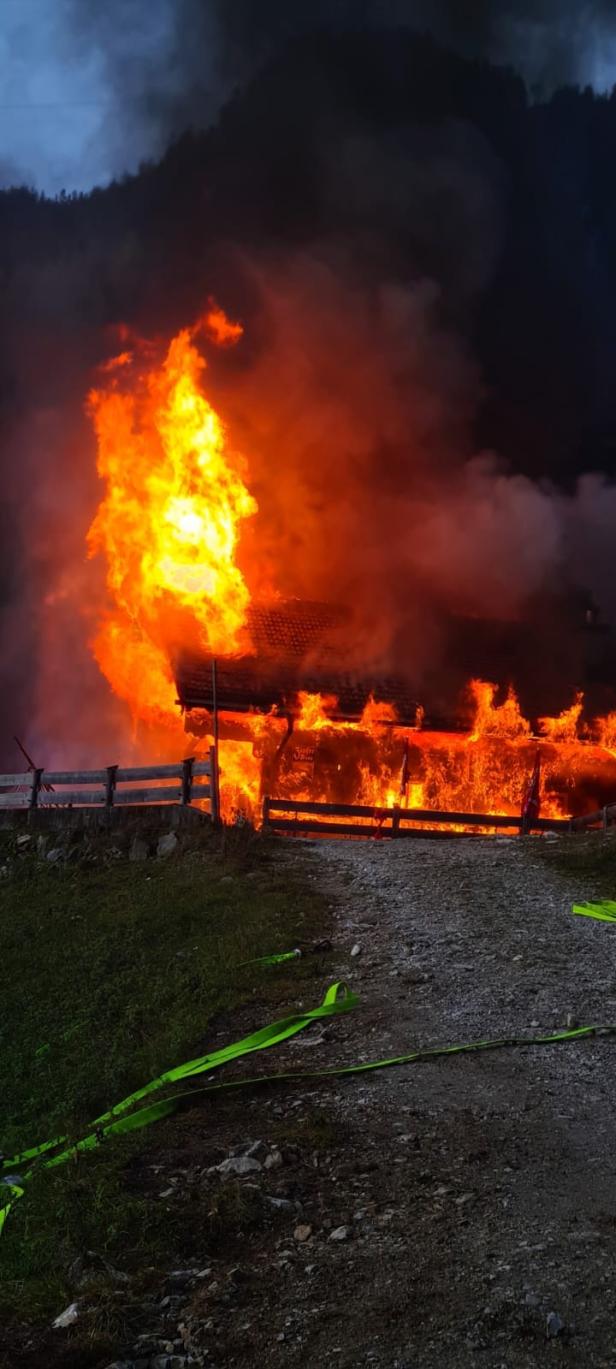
(293, 817)
(602, 817)
(195, 782)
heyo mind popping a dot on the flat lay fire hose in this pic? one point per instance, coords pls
(338, 999)
(602, 912)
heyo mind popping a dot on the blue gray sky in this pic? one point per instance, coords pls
(88, 91)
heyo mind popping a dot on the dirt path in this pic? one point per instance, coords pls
(446, 1215)
(494, 1193)
(479, 1191)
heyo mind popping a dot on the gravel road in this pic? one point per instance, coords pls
(479, 1190)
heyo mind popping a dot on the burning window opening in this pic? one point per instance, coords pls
(299, 718)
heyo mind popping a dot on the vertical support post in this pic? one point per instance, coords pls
(266, 811)
(214, 787)
(215, 701)
(187, 780)
(37, 779)
(395, 820)
(215, 776)
(110, 785)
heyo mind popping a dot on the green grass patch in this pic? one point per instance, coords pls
(112, 972)
(590, 858)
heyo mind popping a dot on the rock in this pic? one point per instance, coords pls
(239, 1165)
(55, 855)
(273, 1160)
(280, 1204)
(226, 879)
(167, 844)
(356, 949)
(23, 841)
(572, 1021)
(302, 1233)
(255, 1150)
(139, 849)
(67, 1317)
(340, 1233)
(554, 1325)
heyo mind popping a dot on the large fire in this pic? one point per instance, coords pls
(169, 527)
(169, 522)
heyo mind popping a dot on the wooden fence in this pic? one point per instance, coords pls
(602, 818)
(115, 786)
(293, 818)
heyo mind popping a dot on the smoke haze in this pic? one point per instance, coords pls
(90, 92)
(416, 382)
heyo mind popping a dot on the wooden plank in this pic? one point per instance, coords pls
(202, 768)
(407, 815)
(598, 817)
(74, 777)
(335, 809)
(10, 781)
(288, 826)
(14, 800)
(215, 780)
(331, 829)
(77, 798)
(148, 772)
(157, 794)
(459, 819)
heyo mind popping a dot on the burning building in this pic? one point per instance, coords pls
(197, 636)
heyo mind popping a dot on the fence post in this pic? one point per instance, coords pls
(37, 777)
(266, 811)
(187, 779)
(214, 786)
(395, 820)
(110, 785)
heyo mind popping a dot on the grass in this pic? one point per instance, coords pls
(591, 858)
(112, 972)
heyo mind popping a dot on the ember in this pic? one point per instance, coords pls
(297, 720)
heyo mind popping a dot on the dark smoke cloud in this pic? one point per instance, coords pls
(90, 91)
(359, 241)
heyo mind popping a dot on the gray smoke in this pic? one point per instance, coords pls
(91, 91)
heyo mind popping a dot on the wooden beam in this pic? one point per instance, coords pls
(187, 776)
(348, 829)
(74, 777)
(149, 772)
(76, 798)
(157, 794)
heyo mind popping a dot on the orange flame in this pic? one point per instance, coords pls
(564, 728)
(496, 720)
(169, 522)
